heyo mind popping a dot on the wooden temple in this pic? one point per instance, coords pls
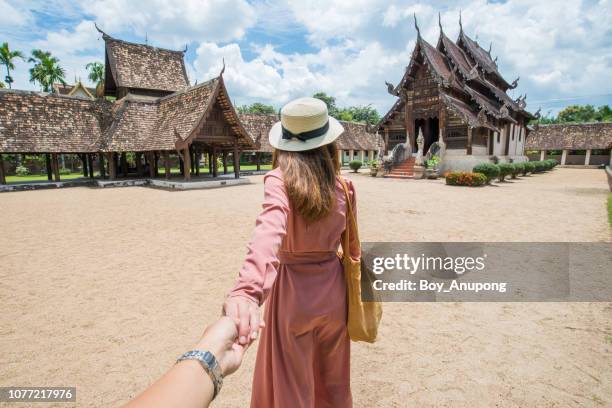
(454, 93)
(156, 115)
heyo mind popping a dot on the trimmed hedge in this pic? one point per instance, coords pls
(355, 165)
(519, 168)
(458, 178)
(529, 168)
(505, 169)
(490, 170)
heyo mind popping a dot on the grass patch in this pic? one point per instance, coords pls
(42, 177)
(174, 170)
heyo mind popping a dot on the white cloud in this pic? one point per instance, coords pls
(13, 15)
(560, 49)
(174, 23)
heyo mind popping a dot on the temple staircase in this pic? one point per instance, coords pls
(404, 170)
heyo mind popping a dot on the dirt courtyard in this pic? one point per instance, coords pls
(103, 289)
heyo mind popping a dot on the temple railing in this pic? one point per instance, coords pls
(398, 154)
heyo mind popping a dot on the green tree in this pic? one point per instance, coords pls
(46, 70)
(330, 101)
(257, 107)
(2, 85)
(96, 72)
(6, 58)
(364, 114)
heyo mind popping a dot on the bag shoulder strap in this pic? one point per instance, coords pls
(351, 222)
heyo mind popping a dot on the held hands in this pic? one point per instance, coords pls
(245, 313)
(220, 339)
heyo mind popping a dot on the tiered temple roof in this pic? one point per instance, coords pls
(138, 66)
(32, 122)
(468, 79)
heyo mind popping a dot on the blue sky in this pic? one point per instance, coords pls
(278, 50)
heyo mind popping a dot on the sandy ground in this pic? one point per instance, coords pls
(103, 289)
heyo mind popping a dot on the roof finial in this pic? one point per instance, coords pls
(222, 69)
(416, 25)
(515, 83)
(440, 21)
(104, 35)
(460, 23)
(185, 50)
(490, 48)
(146, 38)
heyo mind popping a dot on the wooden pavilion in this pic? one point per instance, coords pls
(454, 93)
(156, 114)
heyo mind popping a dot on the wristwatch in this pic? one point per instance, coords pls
(209, 363)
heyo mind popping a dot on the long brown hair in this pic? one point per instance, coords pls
(310, 179)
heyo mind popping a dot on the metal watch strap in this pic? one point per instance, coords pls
(209, 363)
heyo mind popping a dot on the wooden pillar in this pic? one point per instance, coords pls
(187, 163)
(181, 164)
(155, 156)
(84, 161)
(542, 155)
(469, 140)
(224, 162)
(2, 172)
(442, 124)
(124, 165)
(49, 168)
(236, 160)
(112, 166)
(101, 161)
(167, 164)
(90, 165)
(197, 154)
(209, 155)
(55, 165)
(587, 157)
(564, 157)
(410, 129)
(214, 161)
(151, 156)
(386, 140)
(258, 160)
(138, 160)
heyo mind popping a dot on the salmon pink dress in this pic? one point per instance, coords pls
(303, 359)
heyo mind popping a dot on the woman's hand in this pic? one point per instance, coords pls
(220, 339)
(245, 313)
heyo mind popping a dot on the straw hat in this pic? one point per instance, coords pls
(304, 125)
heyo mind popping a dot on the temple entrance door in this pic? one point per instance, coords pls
(430, 128)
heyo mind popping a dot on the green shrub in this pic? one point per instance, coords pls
(459, 178)
(490, 170)
(519, 168)
(64, 171)
(552, 163)
(529, 168)
(540, 166)
(505, 169)
(355, 165)
(22, 171)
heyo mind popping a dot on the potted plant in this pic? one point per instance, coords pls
(355, 165)
(373, 165)
(431, 167)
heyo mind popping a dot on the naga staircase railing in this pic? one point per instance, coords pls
(398, 154)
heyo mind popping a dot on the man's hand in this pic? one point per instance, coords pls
(220, 339)
(245, 313)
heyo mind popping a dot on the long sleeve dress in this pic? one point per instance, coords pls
(303, 359)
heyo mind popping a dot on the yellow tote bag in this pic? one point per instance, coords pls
(363, 317)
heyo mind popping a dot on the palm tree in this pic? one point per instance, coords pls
(46, 70)
(96, 75)
(6, 58)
